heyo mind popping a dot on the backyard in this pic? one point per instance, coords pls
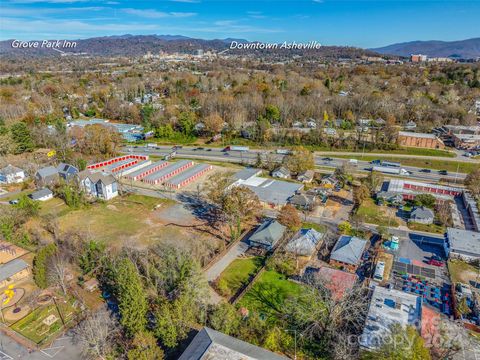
(238, 274)
(460, 271)
(268, 294)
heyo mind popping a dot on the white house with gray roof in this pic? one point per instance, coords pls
(305, 242)
(46, 176)
(462, 244)
(99, 184)
(422, 215)
(11, 175)
(41, 195)
(209, 344)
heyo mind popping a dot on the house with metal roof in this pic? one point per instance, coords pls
(422, 215)
(462, 244)
(305, 242)
(66, 171)
(306, 176)
(12, 271)
(268, 234)
(99, 184)
(41, 195)
(303, 201)
(11, 175)
(47, 176)
(388, 307)
(281, 172)
(209, 344)
(347, 252)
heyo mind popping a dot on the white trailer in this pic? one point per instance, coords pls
(391, 170)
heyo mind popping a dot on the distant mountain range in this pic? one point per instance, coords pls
(138, 45)
(462, 49)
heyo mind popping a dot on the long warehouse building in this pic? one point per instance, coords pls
(188, 176)
(116, 160)
(168, 172)
(147, 170)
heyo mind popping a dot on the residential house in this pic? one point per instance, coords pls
(329, 181)
(46, 176)
(364, 123)
(347, 252)
(66, 171)
(209, 344)
(305, 242)
(311, 124)
(12, 271)
(422, 215)
(297, 124)
(420, 140)
(388, 307)
(41, 195)
(330, 131)
(11, 175)
(99, 184)
(267, 235)
(303, 201)
(380, 122)
(390, 197)
(281, 172)
(462, 244)
(306, 176)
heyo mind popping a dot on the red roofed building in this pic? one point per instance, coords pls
(337, 281)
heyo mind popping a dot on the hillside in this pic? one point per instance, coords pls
(138, 45)
(465, 49)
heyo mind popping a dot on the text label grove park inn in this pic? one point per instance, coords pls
(47, 44)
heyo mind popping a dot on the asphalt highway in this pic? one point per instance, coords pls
(250, 157)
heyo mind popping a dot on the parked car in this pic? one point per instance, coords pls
(13, 202)
(443, 172)
(435, 261)
(426, 170)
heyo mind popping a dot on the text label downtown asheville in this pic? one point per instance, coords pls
(235, 45)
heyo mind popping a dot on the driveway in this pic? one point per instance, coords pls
(234, 252)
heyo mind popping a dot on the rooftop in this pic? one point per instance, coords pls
(337, 281)
(417, 135)
(304, 242)
(47, 171)
(387, 307)
(268, 233)
(40, 193)
(247, 173)
(10, 169)
(213, 345)
(146, 168)
(464, 241)
(187, 174)
(167, 170)
(349, 249)
(11, 268)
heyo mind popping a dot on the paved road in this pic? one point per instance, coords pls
(250, 158)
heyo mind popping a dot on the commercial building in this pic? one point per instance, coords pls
(271, 193)
(421, 140)
(167, 172)
(466, 141)
(472, 209)
(11, 175)
(119, 159)
(389, 307)
(409, 189)
(130, 132)
(147, 170)
(209, 344)
(347, 252)
(187, 176)
(462, 244)
(416, 58)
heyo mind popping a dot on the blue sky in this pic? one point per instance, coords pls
(363, 23)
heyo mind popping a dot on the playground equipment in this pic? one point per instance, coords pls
(391, 244)
(8, 295)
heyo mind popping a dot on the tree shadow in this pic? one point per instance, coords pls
(200, 208)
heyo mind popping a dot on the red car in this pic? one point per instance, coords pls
(435, 262)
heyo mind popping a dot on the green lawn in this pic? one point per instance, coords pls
(374, 214)
(269, 293)
(460, 271)
(450, 166)
(239, 272)
(433, 228)
(319, 227)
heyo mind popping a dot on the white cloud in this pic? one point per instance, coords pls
(186, 1)
(154, 14)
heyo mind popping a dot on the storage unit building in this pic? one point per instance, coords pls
(168, 172)
(147, 170)
(117, 159)
(188, 176)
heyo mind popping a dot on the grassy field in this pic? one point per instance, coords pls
(269, 293)
(451, 166)
(238, 273)
(460, 271)
(375, 214)
(33, 328)
(319, 227)
(433, 228)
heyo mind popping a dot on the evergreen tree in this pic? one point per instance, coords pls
(131, 297)
(22, 138)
